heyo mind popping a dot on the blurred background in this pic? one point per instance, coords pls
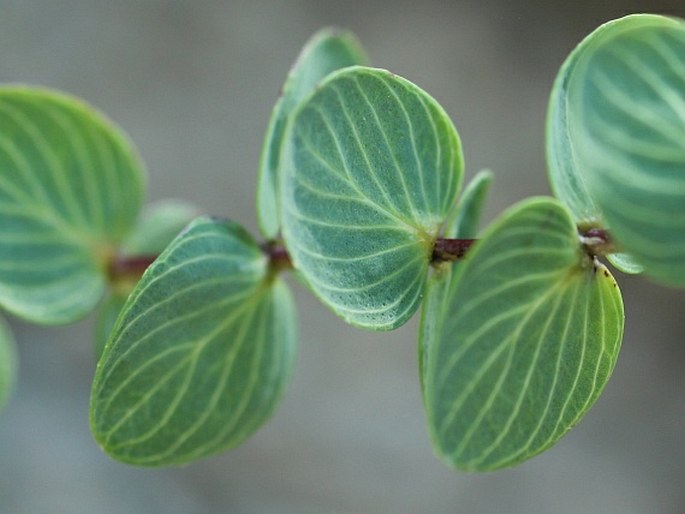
(193, 83)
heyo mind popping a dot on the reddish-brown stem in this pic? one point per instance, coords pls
(279, 258)
(596, 241)
(124, 267)
(450, 249)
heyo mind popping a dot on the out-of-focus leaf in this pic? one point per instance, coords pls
(70, 190)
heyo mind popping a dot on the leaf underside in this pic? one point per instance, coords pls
(200, 354)
(370, 171)
(70, 189)
(526, 338)
(328, 50)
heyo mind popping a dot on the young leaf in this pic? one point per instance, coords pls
(463, 222)
(328, 50)
(158, 225)
(8, 363)
(200, 353)
(629, 98)
(625, 263)
(523, 344)
(371, 167)
(70, 190)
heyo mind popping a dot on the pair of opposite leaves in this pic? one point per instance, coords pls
(516, 342)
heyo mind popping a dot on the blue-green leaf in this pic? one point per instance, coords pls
(8, 363)
(372, 165)
(630, 102)
(525, 341)
(463, 222)
(70, 190)
(565, 175)
(618, 108)
(626, 263)
(200, 353)
(328, 50)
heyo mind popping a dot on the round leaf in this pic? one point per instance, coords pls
(200, 353)
(70, 190)
(371, 166)
(328, 50)
(629, 95)
(8, 363)
(526, 339)
(616, 140)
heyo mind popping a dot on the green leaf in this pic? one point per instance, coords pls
(625, 263)
(462, 224)
(565, 175)
(328, 50)
(158, 225)
(70, 190)
(200, 354)
(525, 341)
(624, 99)
(630, 102)
(371, 167)
(8, 363)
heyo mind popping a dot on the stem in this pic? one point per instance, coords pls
(450, 249)
(279, 258)
(596, 241)
(125, 267)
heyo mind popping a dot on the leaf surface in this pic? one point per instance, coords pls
(328, 50)
(616, 140)
(70, 190)
(200, 353)
(371, 168)
(527, 337)
(629, 95)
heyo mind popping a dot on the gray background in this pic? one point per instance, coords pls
(193, 83)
